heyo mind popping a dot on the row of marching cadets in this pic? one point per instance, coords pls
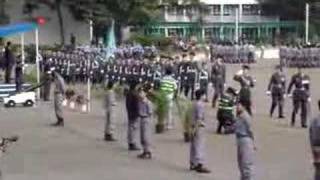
(307, 56)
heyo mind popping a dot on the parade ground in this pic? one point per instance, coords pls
(77, 151)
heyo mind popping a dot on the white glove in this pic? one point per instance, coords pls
(239, 73)
(289, 95)
(268, 93)
(309, 99)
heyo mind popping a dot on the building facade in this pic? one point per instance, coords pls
(224, 20)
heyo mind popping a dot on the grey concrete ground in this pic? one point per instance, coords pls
(77, 151)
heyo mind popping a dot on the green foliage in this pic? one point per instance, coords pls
(31, 77)
(148, 40)
(161, 105)
(184, 106)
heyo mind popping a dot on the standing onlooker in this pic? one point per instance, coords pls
(110, 103)
(314, 135)
(245, 143)
(8, 62)
(145, 113)
(197, 152)
(133, 116)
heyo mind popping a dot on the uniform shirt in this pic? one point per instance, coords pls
(242, 126)
(277, 83)
(145, 108)
(110, 100)
(218, 73)
(198, 114)
(314, 131)
(300, 81)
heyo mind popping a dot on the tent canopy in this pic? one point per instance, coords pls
(13, 29)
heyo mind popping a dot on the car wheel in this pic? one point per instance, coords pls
(28, 103)
(11, 104)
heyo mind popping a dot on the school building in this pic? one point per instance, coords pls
(219, 19)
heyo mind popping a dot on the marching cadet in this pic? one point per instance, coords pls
(204, 81)
(59, 93)
(191, 74)
(245, 143)
(301, 96)
(145, 114)
(218, 78)
(314, 136)
(277, 89)
(246, 82)
(110, 103)
(197, 154)
(182, 69)
(225, 115)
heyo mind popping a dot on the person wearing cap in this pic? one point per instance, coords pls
(245, 142)
(246, 82)
(191, 76)
(277, 90)
(225, 114)
(218, 79)
(197, 145)
(59, 93)
(314, 137)
(300, 96)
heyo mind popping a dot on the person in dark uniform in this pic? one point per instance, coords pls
(19, 76)
(301, 96)
(191, 74)
(246, 82)
(8, 62)
(218, 78)
(277, 89)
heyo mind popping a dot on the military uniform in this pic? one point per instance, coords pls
(204, 81)
(110, 103)
(301, 96)
(246, 82)
(277, 86)
(225, 115)
(218, 78)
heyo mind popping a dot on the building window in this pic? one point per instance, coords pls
(250, 10)
(230, 10)
(214, 10)
(191, 10)
(175, 10)
(175, 32)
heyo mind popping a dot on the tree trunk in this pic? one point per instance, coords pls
(61, 25)
(118, 32)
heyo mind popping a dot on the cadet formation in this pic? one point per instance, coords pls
(300, 56)
(142, 70)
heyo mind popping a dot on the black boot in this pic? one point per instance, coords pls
(192, 167)
(59, 123)
(109, 137)
(133, 147)
(201, 169)
(145, 155)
